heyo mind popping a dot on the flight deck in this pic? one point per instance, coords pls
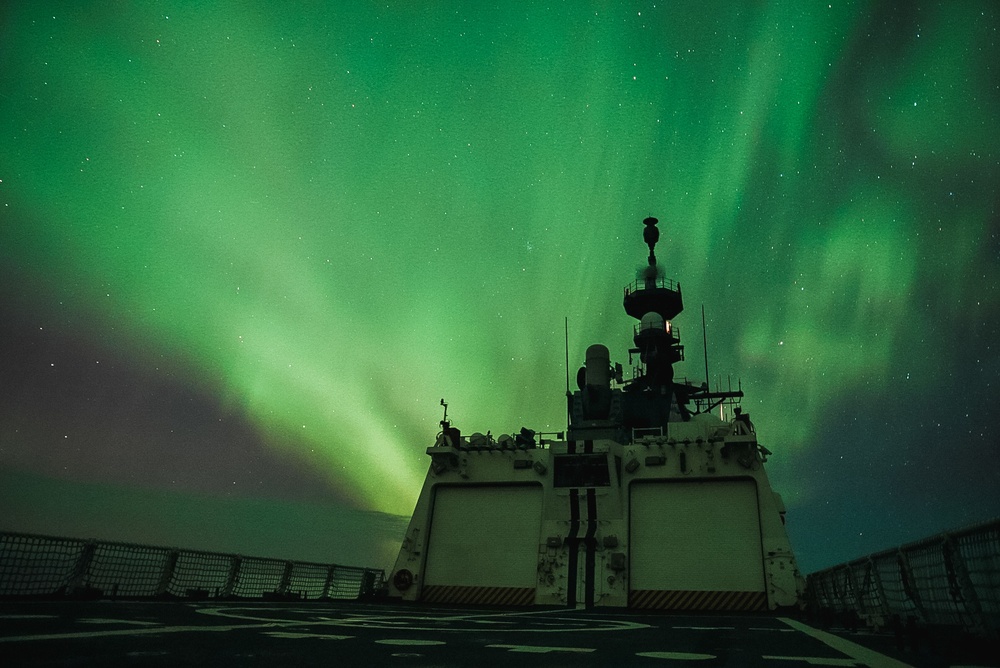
(109, 633)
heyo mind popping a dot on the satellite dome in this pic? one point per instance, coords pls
(652, 320)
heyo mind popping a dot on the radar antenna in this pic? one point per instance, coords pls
(651, 235)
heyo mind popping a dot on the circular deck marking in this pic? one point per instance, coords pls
(298, 636)
(532, 621)
(676, 656)
(537, 649)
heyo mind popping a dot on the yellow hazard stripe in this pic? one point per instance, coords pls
(658, 599)
(478, 595)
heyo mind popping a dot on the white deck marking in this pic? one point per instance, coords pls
(133, 622)
(538, 649)
(815, 660)
(411, 620)
(676, 656)
(141, 632)
(297, 636)
(563, 625)
(409, 642)
(863, 655)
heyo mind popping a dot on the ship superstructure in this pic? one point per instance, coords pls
(656, 497)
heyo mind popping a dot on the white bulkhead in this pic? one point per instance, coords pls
(651, 500)
(682, 520)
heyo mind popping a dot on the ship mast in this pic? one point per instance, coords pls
(654, 301)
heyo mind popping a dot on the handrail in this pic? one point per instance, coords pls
(950, 579)
(34, 565)
(644, 284)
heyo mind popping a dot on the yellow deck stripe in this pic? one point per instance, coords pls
(697, 600)
(478, 595)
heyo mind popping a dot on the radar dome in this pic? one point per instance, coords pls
(652, 321)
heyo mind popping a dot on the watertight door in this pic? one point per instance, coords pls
(695, 546)
(483, 545)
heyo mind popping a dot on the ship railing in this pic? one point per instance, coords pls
(668, 327)
(639, 433)
(651, 283)
(948, 580)
(45, 566)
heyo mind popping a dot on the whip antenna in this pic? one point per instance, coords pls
(704, 340)
(569, 396)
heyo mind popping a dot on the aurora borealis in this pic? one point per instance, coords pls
(248, 248)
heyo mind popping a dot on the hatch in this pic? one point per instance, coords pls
(695, 545)
(483, 545)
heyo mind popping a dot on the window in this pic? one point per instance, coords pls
(589, 470)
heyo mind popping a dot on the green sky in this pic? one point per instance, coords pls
(325, 217)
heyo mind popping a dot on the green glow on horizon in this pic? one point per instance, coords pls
(338, 216)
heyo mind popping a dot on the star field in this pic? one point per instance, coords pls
(247, 249)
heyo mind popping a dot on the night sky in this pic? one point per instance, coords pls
(248, 247)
